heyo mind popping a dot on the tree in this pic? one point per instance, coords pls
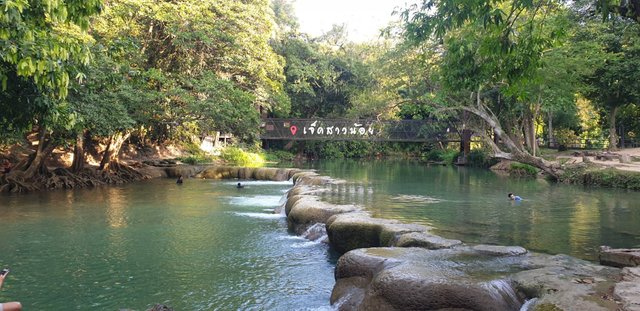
(615, 81)
(491, 51)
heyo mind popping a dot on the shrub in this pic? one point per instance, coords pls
(610, 177)
(197, 159)
(239, 157)
(278, 156)
(480, 158)
(565, 137)
(448, 156)
(521, 169)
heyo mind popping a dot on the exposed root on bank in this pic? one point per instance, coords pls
(62, 178)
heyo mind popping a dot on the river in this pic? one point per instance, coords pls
(206, 245)
(203, 245)
(471, 205)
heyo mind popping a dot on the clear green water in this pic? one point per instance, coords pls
(471, 205)
(204, 245)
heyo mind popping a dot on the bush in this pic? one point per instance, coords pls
(521, 169)
(480, 158)
(278, 156)
(197, 159)
(610, 177)
(239, 157)
(565, 138)
(448, 156)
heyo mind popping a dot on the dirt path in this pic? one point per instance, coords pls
(634, 166)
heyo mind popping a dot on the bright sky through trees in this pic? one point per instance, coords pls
(363, 18)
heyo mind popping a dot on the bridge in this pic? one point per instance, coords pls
(370, 130)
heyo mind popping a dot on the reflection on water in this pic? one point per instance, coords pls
(200, 246)
(471, 205)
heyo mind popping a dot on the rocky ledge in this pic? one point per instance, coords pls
(390, 265)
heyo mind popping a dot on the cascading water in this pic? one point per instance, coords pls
(529, 304)
(502, 290)
(317, 232)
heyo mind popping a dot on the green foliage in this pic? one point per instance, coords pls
(198, 159)
(521, 169)
(278, 156)
(239, 157)
(611, 177)
(565, 137)
(447, 156)
(43, 40)
(358, 149)
(480, 158)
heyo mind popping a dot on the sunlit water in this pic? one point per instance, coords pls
(471, 205)
(203, 245)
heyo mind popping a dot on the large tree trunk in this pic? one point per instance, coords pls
(613, 137)
(514, 152)
(78, 153)
(529, 133)
(110, 155)
(35, 165)
(551, 139)
(530, 128)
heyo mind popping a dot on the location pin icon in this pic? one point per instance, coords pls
(293, 129)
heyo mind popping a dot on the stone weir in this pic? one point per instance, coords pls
(219, 172)
(390, 265)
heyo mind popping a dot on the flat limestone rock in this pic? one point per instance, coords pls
(496, 250)
(619, 257)
(425, 240)
(628, 290)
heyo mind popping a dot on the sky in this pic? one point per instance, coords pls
(363, 18)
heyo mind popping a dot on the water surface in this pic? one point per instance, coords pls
(471, 205)
(203, 245)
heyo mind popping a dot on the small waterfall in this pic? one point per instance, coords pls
(281, 204)
(317, 232)
(529, 304)
(501, 290)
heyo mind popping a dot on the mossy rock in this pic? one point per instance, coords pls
(307, 211)
(354, 230)
(546, 307)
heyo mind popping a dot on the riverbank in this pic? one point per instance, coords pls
(385, 259)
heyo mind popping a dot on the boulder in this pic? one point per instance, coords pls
(496, 250)
(219, 172)
(308, 210)
(628, 290)
(415, 279)
(425, 240)
(619, 257)
(356, 230)
(182, 170)
(565, 283)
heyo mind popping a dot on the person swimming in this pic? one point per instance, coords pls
(239, 186)
(514, 197)
(180, 180)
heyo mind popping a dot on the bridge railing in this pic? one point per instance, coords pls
(340, 129)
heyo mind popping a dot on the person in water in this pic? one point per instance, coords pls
(514, 197)
(239, 186)
(8, 306)
(179, 181)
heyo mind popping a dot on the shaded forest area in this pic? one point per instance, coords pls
(90, 77)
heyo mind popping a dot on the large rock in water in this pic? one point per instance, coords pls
(619, 257)
(306, 211)
(357, 230)
(419, 279)
(470, 278)
(628, 290)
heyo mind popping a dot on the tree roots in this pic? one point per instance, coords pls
(62, 178)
